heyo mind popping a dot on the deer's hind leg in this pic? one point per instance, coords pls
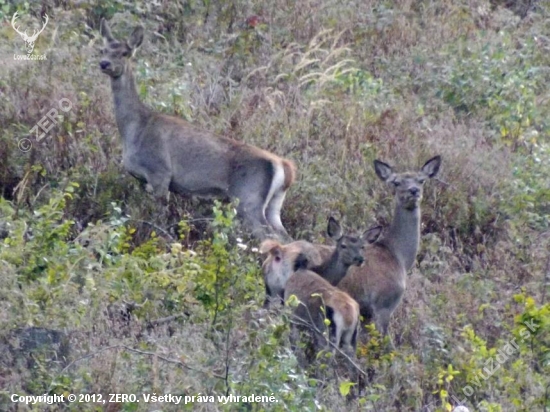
(274, 201)
(251, 185)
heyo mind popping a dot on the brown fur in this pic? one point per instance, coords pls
(290, 173)
(278, 266)
(330, 262)
(379, 284)
(314, 292)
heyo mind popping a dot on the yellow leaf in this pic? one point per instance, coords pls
(345, 387)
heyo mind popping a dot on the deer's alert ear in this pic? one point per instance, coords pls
(334, 230)
(431, 167)
(135, 39)
(105, 31)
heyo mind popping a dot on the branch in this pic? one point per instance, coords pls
(167, 319)
(437, 179)
(154, 227)
(299, 321)
(545, 281)
(127, 348)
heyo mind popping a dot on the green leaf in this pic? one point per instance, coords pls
(345, 387)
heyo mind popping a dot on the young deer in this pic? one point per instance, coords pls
(318, 298)
(170, 154)
(330, 262)
(347, 252)
(379, 285)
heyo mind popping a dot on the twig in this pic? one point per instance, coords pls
(199, 219)
(437, 179)
(299, 321)
(167, 319)
(154, 227)
(127, 348)
(545, 281)
(38, 193)
(546, 397)
(227, 357)
(174, 361)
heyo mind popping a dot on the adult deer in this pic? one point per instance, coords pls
(169, 154)
(379, 284)
(330, 262)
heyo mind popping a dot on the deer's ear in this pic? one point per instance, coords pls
(136, 38)
(431, 167)
(383, 170)
(269, 245)
(105, 31)
(371, 235)
(334, 230)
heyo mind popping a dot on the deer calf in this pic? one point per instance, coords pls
(170, 154)
(318, 298)
(379, 284)
(330, 262)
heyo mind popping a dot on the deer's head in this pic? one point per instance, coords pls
(349, 248)
(29, 40)
(115, 53)
(408, 187)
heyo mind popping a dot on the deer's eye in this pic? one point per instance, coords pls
(125, 53)
(421, 181)
(396, 183)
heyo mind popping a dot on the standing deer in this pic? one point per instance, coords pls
(379, 285)
(330, 262)
(170, 154)
(29, 40)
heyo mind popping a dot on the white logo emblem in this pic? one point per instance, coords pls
(29, 40)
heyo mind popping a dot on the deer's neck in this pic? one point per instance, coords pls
(332, 270)
(404, 235)
(131, 115)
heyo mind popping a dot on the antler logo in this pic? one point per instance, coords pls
(29, 40)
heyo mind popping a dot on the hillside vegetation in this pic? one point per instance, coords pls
(104, 291)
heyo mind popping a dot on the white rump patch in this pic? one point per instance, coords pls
(275, 198)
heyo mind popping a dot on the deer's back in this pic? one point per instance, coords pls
(344, 304)
(304, 284)
(201, 162)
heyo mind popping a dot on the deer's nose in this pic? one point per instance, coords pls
(414, 190)
(359, 260)
(104, 64)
